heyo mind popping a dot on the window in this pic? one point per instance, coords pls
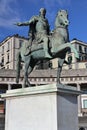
(71, 79)
(85, 49)
(7, 66)
(2, 62)
(80, 48)
(2, 79)
(62, 79)
(83, 57)
(66, 79)
(50, 65)
(75, 46)
(85, 103)
(20, 43)
(7, 79)
(2, 50)
(8, 45)
(80, 78)
(75, 78)
(80, 58)
(7, 59)
(53, 79)
(85, 78)
(43, 79)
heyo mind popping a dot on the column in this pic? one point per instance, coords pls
(79, 101)
(9, 86)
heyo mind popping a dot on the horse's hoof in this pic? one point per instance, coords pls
(30, 85)
(59, 83)
(17, 81)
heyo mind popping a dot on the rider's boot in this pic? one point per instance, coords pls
(46, 50)
(28, 48)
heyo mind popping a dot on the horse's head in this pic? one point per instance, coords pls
(62, 19)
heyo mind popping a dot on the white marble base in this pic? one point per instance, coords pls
(44, 107)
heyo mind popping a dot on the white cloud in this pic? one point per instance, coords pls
(9, 22)
(62, 3)
(9, 10)
(8, 13)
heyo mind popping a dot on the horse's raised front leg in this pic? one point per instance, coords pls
(74, 50)
(60, 65)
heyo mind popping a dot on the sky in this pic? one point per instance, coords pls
(12, 11)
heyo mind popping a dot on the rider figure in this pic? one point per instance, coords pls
(39, 30)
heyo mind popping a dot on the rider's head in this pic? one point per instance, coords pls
(42, 12)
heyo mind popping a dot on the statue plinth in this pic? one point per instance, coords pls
(46, 107)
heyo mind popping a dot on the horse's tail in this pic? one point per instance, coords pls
(18, 66)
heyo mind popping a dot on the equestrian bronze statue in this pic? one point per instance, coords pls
(46, 45)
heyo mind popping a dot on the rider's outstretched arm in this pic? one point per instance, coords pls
(32, 20)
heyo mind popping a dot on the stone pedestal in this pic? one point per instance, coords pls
(46, 107)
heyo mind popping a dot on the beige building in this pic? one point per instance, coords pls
(76, 64)
(8, 51)
(10, 46)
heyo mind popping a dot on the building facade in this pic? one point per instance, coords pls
(80, 63)
(10, 46)
(8, 51)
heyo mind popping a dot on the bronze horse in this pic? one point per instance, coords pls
(58, 46)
